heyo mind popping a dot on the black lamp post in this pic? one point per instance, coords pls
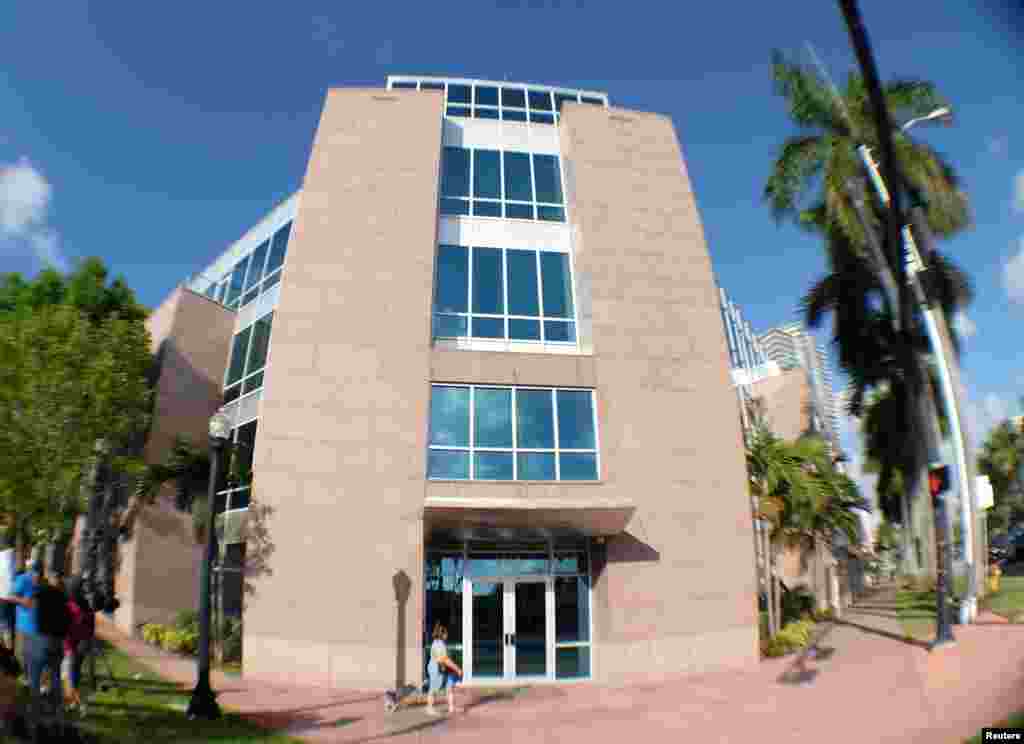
(203, 703)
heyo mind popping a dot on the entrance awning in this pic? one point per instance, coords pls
(551, 517)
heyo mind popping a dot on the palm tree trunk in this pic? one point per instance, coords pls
(766, 571)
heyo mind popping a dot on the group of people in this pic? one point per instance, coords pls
(54, 626)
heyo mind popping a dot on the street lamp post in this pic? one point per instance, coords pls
(203, 703)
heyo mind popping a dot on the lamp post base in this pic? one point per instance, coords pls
(203, 703)
(941, 643)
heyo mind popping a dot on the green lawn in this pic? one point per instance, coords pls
(1009, 600)
(143, 707)
(916, 611)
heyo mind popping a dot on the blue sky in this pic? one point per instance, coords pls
(153, 135)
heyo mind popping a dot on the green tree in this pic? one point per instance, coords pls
(74, 362)
(1002, 460)
(810, 182)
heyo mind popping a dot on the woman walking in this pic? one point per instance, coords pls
(78, 641)
(442, 671)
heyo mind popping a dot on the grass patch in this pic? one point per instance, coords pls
(1009, 600)
(916, 611)
(1014, 721)
(144, 707)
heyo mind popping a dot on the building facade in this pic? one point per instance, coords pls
(478, 376)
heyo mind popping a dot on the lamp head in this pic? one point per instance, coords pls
(220, 428)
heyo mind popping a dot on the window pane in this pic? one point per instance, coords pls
(447, 464)
(591, 99)
(561, 98)
(278, 248)
(458, 94)
(539, 466)
(251, 295)
(240, 499)
(259, 257)
(575, 419)
(524, 330)
(260, 343)
(577, 466)
(522, 283)
(449, 416)
(486, 208)
(211, 291)
(540, 100)
(542, 117)
(253, 382)
(517, 177)
(534, 419)
(487, 95)
(455, 206)
(404, 86)
(455, 172)
(492, 466)
(488, 287)
(485, 113)
(572, 609)
(519, 211)
(488, 328)
(514, 97)
(458, 111)
(513, 115)
(548, 179)
(239, 349)
(492, 413)
(452, 292)
(270, 281)
(559, 330)
(487, 174)
(572, 662)
(232, 393)
(431, 86)
(244, 446)
(557, 284)
(449, 326)
(551, 214)
(237, 280)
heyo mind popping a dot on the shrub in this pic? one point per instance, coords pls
(180, 640)
(232, 639)
(792, 637)
(824, 615)
(796, 604)
(154, 633)
(187, 620)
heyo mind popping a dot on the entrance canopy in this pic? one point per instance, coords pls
(516, 519)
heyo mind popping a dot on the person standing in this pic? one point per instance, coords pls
(78, 642)
(442, 671)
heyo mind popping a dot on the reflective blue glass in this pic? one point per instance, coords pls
(524, 330)
(551, 214)
(488, 328)
(514, 97)
(488, 287)
(492, 414)
(517, 177)
(486, 208)
(591, 99)
(211, 291)
(448, 464)
(455, 171)
(487, 174)
(279, 248)
(237, 281)
(485, 113)
(575, 419)
(404, 85)
(259, 258)
(538, 466)
(251, 295)
(458, 111)
(561, 98)
(260, 343)
(577, 466)
(547, 178)
(239, 351)
(252, 382)
(557, 284)
(431, 86)
(450, 326)
(559, 330)
(522, 283)
(486, 95)
(540, 100)
(455, 206)
(542, 117)
(452, 291)
(519, 211)
(449, 416)
(458, 93)
(271, 281)
(492, 466)
(535, 426)
(513, 115)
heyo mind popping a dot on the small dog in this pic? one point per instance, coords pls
(409, 694)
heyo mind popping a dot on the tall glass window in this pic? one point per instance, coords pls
(255, 273)
(483, 432)
(238, 483)
(517, 295)
(248, 358)
(507, 102)
(492, 183)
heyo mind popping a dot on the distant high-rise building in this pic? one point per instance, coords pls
(792, 347)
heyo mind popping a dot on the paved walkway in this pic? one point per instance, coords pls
(860, 683)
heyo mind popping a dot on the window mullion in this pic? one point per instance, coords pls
(469, 298)
(472, 426)
(554, 414)
(504, 284)
(540, 296)
(515, 438)
(472, 156)
(533, 186)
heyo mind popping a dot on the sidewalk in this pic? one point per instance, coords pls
(860, 684)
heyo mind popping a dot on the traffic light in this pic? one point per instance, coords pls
(938, 480)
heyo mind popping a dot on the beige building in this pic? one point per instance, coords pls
(496, 395)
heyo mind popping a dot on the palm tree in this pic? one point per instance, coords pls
(809, 182)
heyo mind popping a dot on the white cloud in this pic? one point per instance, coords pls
(1013, 275)
(25, 197)
(1018, 191)
(964, 326)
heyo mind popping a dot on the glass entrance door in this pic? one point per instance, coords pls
(511, 625)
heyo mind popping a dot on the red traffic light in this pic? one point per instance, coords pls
(938, 479)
